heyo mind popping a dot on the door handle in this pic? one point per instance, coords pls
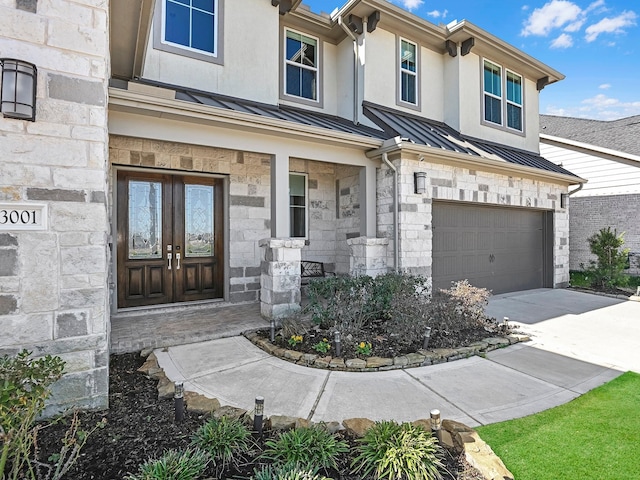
(178, 260)
(169, 260)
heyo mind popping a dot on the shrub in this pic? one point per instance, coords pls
(398, 452)
(286, 472)
(309, 448)
(24, 387)
(607, 271)
(456, 310)
(173, 465)
(226, 440)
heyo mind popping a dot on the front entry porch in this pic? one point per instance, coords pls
(164, 327)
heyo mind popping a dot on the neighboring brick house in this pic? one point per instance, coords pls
(245, 136)
(607, 154)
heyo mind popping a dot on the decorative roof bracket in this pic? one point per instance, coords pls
(355, 24)
(542, 82)
(467, 45)
(372, 21)
(451, 47)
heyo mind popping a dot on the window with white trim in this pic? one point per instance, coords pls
(408, 72)
(191, 25)
(298, 205)
(301, 65)
(498, 105)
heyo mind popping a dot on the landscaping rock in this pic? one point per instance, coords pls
(401, 361)
(337, 363)
(481, 456)
(229, 412)
(166, 388)
(150, 367)
(415, 358)
(497, 342)
(377, 362)
(146, 352)
(283, 422)
(357, 427)
(292, 355)
(333, 427)
(322, 362)
(355, 363)
(197, 403)
(308, 359)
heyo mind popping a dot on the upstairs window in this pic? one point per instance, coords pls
(408, 72)
(497, 105)
(297, 205)
(514, 101)
(191, 28)
(301, 65)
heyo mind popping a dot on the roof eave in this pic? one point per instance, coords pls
(488, 43)
(140, 103)
(472, 162)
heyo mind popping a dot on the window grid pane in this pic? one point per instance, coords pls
(514, 116)
(514, 88)
(191, 24)
(297, 205)
(492, 109)
(492, 79)
(301, 66)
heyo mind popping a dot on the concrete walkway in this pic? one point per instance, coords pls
(577, 343)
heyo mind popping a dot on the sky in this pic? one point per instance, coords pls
(595, 43)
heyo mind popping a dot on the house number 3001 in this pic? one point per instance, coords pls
(17, 217)
(22, 216)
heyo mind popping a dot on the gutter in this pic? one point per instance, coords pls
(396, 239)
(356, 62)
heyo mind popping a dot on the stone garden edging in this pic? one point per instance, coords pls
(421, 358)
(454, 436)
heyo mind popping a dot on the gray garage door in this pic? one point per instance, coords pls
(502, 249)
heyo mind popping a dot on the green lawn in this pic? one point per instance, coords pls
(596, 436)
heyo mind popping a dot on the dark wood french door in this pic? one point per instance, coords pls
(170, 238)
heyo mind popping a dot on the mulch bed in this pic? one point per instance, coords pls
(139, 426)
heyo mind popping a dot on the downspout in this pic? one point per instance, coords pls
(356, 62)
(396, 236)
(576, 190)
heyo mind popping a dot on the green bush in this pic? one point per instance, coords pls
(226, 440)
(309, 448)
(173, 465)
(24, 388)
(286, 472)
(398, 452)
(607, 271)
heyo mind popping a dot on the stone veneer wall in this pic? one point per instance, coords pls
(249, 196)
(333, 211)
(445, 182)
(53, 282)
(590, 214)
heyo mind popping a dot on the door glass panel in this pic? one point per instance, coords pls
(145, 214)
(198, 221)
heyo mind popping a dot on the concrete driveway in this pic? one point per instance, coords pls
(593, 328)
(579, 341)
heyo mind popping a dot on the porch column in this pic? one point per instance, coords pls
(368, 201)
(280, 276)
(368, 256)
(280, 195)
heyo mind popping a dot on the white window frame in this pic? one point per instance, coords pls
(305, 207)
(415, 74)
(160, 42)
(509, 102)
(317, 69)
(503, 98)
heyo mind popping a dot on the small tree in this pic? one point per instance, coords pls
(606, 245)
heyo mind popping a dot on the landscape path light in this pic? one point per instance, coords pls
(436, 423)
(258, 415)
(178, 402)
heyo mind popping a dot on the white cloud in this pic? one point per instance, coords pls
(594, 5)
(603, 107)
(438, 13)
(605, 86)
(410, 4)
(563, 41)
(611, 25)
(554, 14)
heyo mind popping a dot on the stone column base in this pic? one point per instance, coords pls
(368, 256)
(280, 276)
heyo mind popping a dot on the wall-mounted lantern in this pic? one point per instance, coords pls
(18, 94)
(420, 180)
(564, 197)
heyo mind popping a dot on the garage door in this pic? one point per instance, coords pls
(501, 249)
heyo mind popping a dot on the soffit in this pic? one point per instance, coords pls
(500, 51)
(129, 29)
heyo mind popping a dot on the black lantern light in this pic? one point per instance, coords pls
(18, 94)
